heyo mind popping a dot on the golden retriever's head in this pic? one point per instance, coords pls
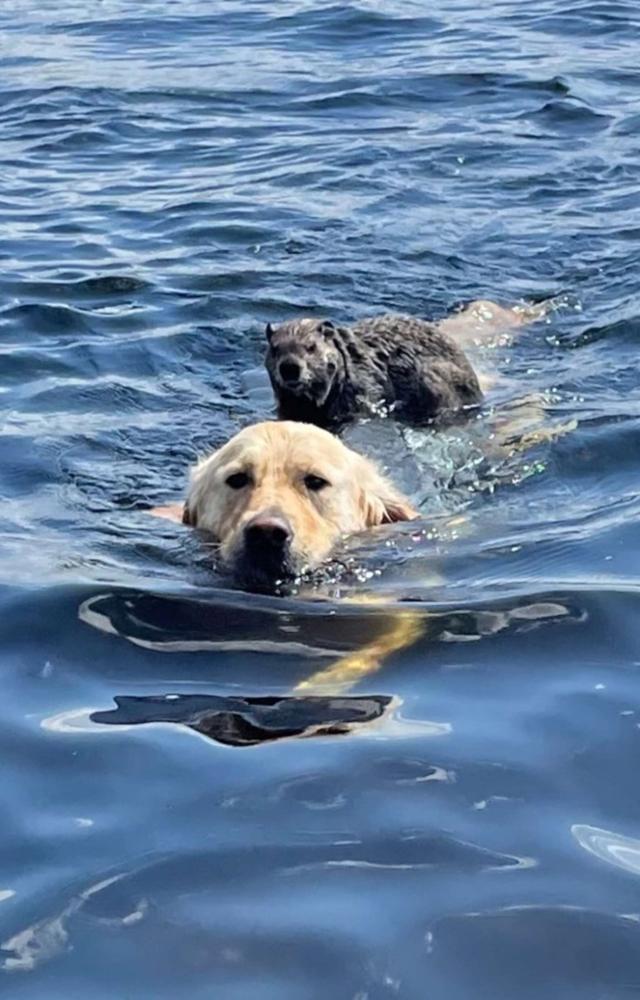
(279, 495)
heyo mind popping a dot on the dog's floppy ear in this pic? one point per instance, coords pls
(380, 502)
(202, 496)
(269, 330)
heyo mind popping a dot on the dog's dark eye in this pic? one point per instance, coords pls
(311, 348)
(315, 483)
(237, 480)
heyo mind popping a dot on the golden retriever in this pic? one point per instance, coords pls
(278, 497)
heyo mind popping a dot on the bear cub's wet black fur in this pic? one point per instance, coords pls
(327, 375)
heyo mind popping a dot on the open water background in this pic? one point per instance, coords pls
(172, 176)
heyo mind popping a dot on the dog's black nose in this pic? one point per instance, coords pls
(289, 371)
(270, 532)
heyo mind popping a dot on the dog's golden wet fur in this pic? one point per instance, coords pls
(279, 495)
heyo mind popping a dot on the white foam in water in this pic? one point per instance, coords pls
(437, 470)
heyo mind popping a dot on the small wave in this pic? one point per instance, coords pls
(615, 849)
(40, 318)
(563, 115)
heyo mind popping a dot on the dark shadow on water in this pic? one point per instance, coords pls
(242, 722)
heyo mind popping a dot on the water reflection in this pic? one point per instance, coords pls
(624, 852)
(44, 939)
(241, 722)
(247, 721)
(227, 621)
(171, 624)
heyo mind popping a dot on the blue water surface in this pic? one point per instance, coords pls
(464, 822)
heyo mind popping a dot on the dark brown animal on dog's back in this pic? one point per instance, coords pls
(327, 375)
